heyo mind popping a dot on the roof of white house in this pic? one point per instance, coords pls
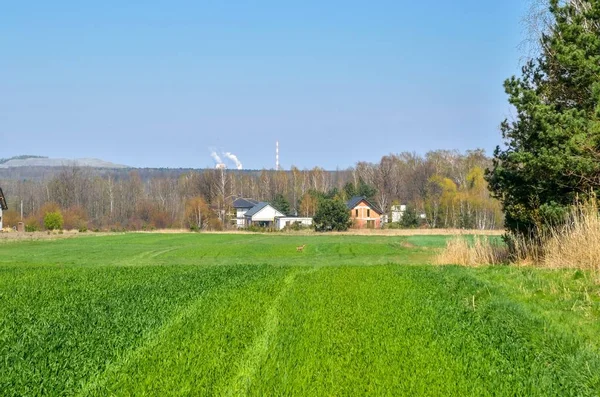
(241, 202)
(267, 211)
(256, 208)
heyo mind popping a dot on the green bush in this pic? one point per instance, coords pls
(297, 226)
(31, 227)
(53, 220)
(332, 214)
(260, 229)
(410, 219)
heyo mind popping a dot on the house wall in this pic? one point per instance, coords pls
(397, 212)
(365, 213)
(240, 219)
(266, 214)
(283, 222)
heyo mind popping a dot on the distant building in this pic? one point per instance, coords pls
(251, 212)
(242, 205)
(284, 221)
(363, 213)
(397, 212)
(3, 206)
(263, 215)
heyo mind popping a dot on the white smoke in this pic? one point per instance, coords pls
(215, 156)
(233, 158)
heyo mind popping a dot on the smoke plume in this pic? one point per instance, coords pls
(233, 158)
(215, 156)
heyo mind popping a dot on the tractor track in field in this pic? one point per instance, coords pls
(255, 354)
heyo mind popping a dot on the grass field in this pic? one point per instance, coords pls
(195, 314)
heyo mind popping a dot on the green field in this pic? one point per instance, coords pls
(195, 314)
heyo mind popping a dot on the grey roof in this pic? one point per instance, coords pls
(256, 208)
(353, 202)
(3, 201)
(244, 203)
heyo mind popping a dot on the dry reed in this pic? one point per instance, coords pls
(576, 244)
(482, 251)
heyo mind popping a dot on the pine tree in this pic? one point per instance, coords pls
(332, 214)
(552, 152)
(281, 204)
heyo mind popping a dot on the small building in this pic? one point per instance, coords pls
(242, 205)
(284, 221)
(363, 213)
(263, 215)
(3, 206)
(397, 212)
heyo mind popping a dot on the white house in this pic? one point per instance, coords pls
(3, 206)
(397, 212)
(262, 214)
(284, 221)
(242, 205)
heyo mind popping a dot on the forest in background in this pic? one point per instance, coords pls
(448, 187)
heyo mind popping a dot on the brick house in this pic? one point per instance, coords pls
(363, 213)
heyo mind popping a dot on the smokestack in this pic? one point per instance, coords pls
(276, 155)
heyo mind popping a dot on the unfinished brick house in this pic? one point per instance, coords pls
(363, 213)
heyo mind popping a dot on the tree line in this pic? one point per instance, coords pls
(447, 187)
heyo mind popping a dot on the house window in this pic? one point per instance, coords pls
(356, 213)
(368, 213)
(371, 224)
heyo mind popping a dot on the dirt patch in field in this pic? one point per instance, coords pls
(6, 236)
(10, 235)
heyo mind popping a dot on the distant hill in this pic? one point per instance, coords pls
(22, 157)
(40, 161)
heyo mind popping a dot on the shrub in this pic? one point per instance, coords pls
(75, 218)
(31, 227)
(255, 228)
(11, 218)
(331, 214)
(410, 219)
(53, 220)
(297, 226)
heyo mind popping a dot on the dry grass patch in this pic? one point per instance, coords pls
(576, 245)
(481, 251)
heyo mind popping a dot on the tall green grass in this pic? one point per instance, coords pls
(192, 314)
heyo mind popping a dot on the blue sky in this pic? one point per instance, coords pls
(159, 83)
